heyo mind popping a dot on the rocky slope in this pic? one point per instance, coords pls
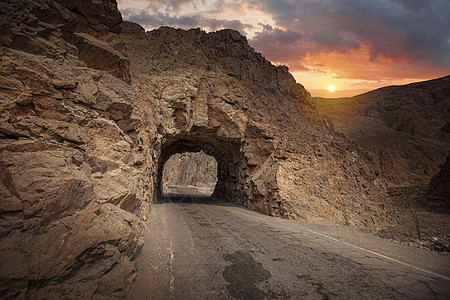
(91, 109)
(440, 182)
(405, 128)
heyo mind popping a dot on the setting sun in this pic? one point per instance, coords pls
(331, 88)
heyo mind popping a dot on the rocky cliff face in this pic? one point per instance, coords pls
(72, 184)
(191, 169)
(93, 107)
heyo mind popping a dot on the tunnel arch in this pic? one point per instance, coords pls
(226, 151)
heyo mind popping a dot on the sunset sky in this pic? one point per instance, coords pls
(353, 45)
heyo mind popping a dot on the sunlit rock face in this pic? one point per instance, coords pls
(72, 179)
(93, 107)
(190, 169)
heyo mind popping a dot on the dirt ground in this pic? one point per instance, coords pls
(423, 220)
(434, 230)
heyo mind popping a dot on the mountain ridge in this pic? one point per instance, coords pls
(413, 120)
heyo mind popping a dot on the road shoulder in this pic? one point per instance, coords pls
(153, 277)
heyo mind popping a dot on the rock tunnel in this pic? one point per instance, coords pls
(226, 152)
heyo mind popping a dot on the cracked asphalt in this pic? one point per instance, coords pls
(201, 248)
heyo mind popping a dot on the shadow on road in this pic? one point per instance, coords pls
(188, 195)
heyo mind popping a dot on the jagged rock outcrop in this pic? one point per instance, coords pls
(71, 180)
(191, 169)
(92, 108)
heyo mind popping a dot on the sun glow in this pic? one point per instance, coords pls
(331, 88)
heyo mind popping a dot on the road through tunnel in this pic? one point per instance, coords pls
(227, 156)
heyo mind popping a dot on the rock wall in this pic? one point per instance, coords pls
(72, 181)
(196, 169)
(91, 109)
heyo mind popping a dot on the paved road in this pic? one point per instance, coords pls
(200, 248)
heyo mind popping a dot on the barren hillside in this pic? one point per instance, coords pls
(406, 128)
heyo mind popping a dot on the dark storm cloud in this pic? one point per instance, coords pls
(279, 45)
(397, 30)
(330, 39)
(157, 19)
(174, 4)
(413, 5)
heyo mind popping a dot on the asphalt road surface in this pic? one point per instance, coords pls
(201, 248)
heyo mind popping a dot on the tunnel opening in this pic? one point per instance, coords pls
(225, 151)
(189, 173)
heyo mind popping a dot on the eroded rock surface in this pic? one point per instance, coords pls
(191, 169)
(91, 109)
(71, 193)
(213, 93)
